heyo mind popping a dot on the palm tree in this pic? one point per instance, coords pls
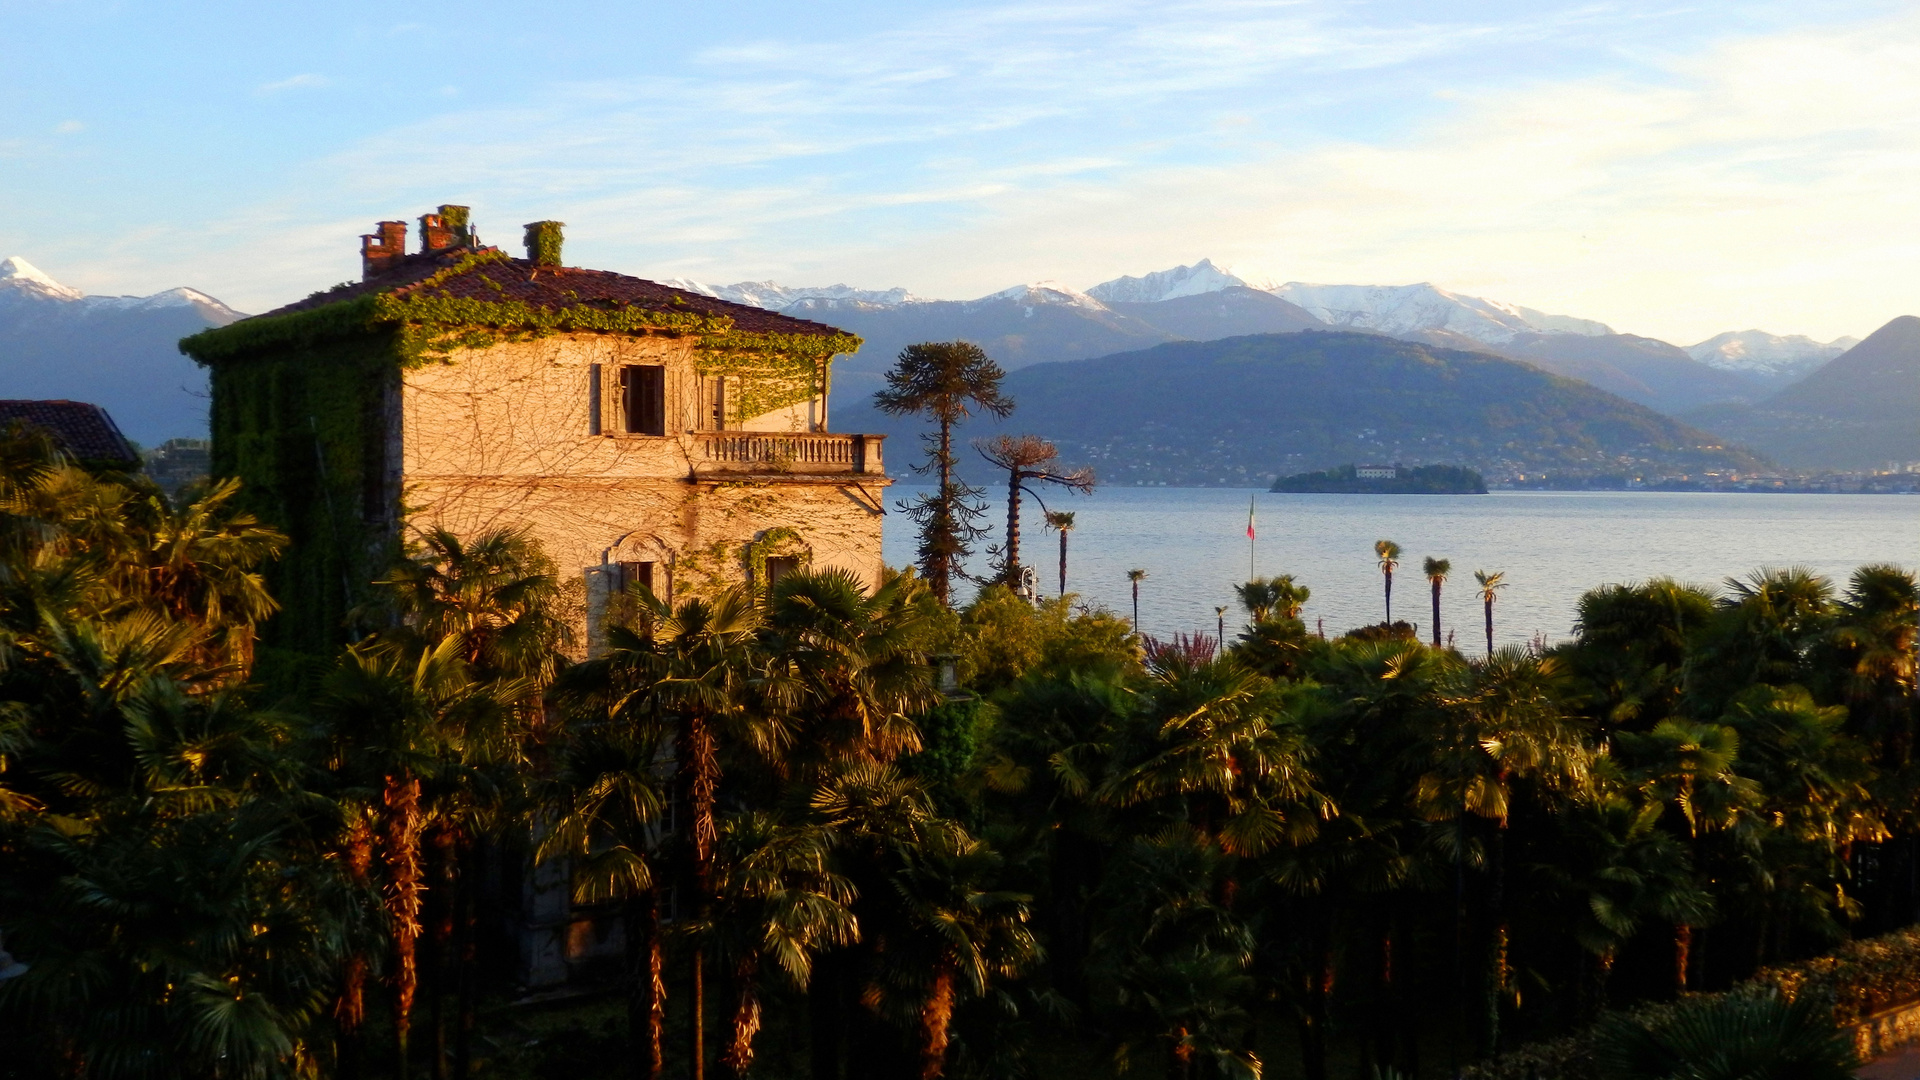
(846, 668)
(1136, 577)
(973, 931)
(1738, 1036)
(395, 722)
(605, 806)
(1388, 553)
(688, 672)
(1061, 521)
(1436, 571)
(1490, 585)
(944, 380)
(778, 905)
(1502, 724)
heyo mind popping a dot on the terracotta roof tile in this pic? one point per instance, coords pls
(83, 429)
(552, 287)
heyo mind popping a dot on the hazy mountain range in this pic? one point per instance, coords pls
(115, 351)
(1756, 388)
(1049, 321)
(1238, 411)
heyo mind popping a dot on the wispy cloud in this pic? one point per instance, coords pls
(305, 81)
(69, 127)
(1577, 157)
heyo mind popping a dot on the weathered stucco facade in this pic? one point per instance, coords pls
(504, 436)
(641, 433)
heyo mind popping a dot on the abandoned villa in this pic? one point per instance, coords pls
(641, 433)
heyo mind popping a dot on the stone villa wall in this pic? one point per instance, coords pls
(500, 437)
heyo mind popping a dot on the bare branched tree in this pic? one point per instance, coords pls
(1027, 458)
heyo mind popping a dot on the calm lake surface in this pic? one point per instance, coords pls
(1552, 545)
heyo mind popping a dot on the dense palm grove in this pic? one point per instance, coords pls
(1090, 852)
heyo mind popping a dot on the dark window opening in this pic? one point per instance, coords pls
(636, 573)
(593, 399)
(643, 397)
(780, 566)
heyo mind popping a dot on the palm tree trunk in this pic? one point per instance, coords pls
(467, 945)
(445, 962)
(1388, 574)
(402, 856)
(1436, 613)
(646, 993)
(738, 1056)
(1682, 953)
(1063, 562)
(701, 768)
(1497, 945)
(1489, 627)
(1136, 607)
(934, 1018)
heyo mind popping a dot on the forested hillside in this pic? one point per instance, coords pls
(1244, 410)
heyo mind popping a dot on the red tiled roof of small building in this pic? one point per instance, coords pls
(552, 287)
(83, 429)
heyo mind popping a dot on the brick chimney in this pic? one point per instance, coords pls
(382, 250)
(543, 242)
(436, 234)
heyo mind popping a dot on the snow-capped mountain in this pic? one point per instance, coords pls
(773, 296)
(1408, 309)
(119, 352)
(1772, 355)
(1202, 277)
(21, 280)
(21, 277)
(1037, 293)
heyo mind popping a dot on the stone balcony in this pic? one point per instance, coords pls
(788, 453)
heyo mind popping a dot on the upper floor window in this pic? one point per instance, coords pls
(643, 399)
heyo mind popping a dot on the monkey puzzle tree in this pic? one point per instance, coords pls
(945, 380)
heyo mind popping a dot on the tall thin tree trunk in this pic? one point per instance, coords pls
(1063, 561)
(1436, 613)
(1489, 627)
(1013, 528)
(467, 944)
(1497, 944)
(646, 994)
(738, 1055)
(404, 889)
(934, 1017)
(1682, 953)
(942, 572)
(1388, 574)
(701, 768)
(445, 960)
(825, 1020)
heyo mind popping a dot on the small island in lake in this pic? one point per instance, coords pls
(1386, 480)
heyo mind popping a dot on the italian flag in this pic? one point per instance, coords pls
(1249, 517)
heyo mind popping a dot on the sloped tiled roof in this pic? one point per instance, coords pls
(549, 287)
(82, 428)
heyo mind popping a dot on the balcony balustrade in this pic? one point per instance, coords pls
(804, 453)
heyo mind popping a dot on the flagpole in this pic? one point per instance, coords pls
(1252, 572)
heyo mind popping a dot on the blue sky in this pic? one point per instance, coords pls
(1673, 169)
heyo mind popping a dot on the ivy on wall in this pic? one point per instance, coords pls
(308, 440)
(773, 370)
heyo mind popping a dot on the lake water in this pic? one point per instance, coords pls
(1553, 546)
